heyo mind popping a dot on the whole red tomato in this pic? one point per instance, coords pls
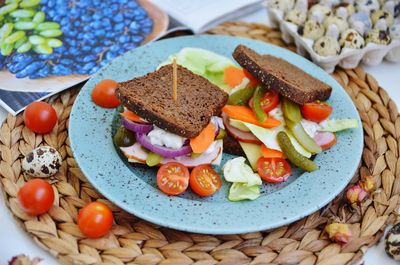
(36, 197)
(103, 94)
(95, 219)
(40, 117)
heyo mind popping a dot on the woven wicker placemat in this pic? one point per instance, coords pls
(134, 241)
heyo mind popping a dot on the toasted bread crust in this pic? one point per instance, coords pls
(150, 97)
(285, 78)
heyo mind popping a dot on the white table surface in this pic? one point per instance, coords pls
(14, 241)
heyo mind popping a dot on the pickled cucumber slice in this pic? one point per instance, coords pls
(221, 135)
(291, 111)
(124, 137)
(153, 159)
(260, 113)
(240, 97)
(302, 137)
(296, 158)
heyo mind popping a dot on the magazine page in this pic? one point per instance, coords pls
(53, 45)
(200, 15)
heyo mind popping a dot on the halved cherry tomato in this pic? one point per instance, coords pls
(316, 111)
(273, 170)
(103, 94)
(36, 197)
(269, 101)
(204, 180)
(95, 219)
(173, 178)
(40, 117)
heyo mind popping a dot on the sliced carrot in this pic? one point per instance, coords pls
(271, 153)
(233, 76)
(202, 141)
(253, 81)
(245, 114)
(131, 116)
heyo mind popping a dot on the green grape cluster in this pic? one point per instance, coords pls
(24, 27)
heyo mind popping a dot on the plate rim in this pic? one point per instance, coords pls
(178, 226)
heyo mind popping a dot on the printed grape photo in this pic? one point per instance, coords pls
(49, 45)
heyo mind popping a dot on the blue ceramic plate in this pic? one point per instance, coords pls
(134, 188)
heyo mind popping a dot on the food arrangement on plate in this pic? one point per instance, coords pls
(41, 38)
(340, 32)
(273, 115)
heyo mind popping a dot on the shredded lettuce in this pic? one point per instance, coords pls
(202, 62)
(338, 125)
(246, 183)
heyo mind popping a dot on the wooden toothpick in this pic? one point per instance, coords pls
(174, 79)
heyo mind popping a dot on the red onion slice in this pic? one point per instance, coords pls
(203, 159)
(136, 154)
(137, 127)
(239, 135)
(161, 150)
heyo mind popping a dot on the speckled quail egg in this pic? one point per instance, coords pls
(296, 16)
(311, 30)
(283, 5)
(350, 38)
(319, 12)
(327, 46)
(393, 242)
(338, 21)
(395, 32)
(377, 36)
(380, 14)
(42, 162)
(367, 5)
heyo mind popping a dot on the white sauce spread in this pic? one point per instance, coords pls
(310, 127)
(277, 113)
(163, 138)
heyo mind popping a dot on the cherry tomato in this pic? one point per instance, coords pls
(316, 111)
(36, 197)
(273, 170)
(269, 101)
(40, 117)
(95, 219)
(103, 94)
(204, 180)
(173, 178)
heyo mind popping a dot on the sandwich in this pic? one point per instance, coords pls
(186, 129)
(282, 115)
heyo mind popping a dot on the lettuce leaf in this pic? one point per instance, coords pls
(338, 125)
(202, 62)
(240, 191)
(246, 183)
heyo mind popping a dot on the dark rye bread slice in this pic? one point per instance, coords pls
(282, 76)
(151, 98)
(232, 146)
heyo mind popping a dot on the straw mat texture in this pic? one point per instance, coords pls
(134, 241)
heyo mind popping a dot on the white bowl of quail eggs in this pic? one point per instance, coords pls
(343, 33)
